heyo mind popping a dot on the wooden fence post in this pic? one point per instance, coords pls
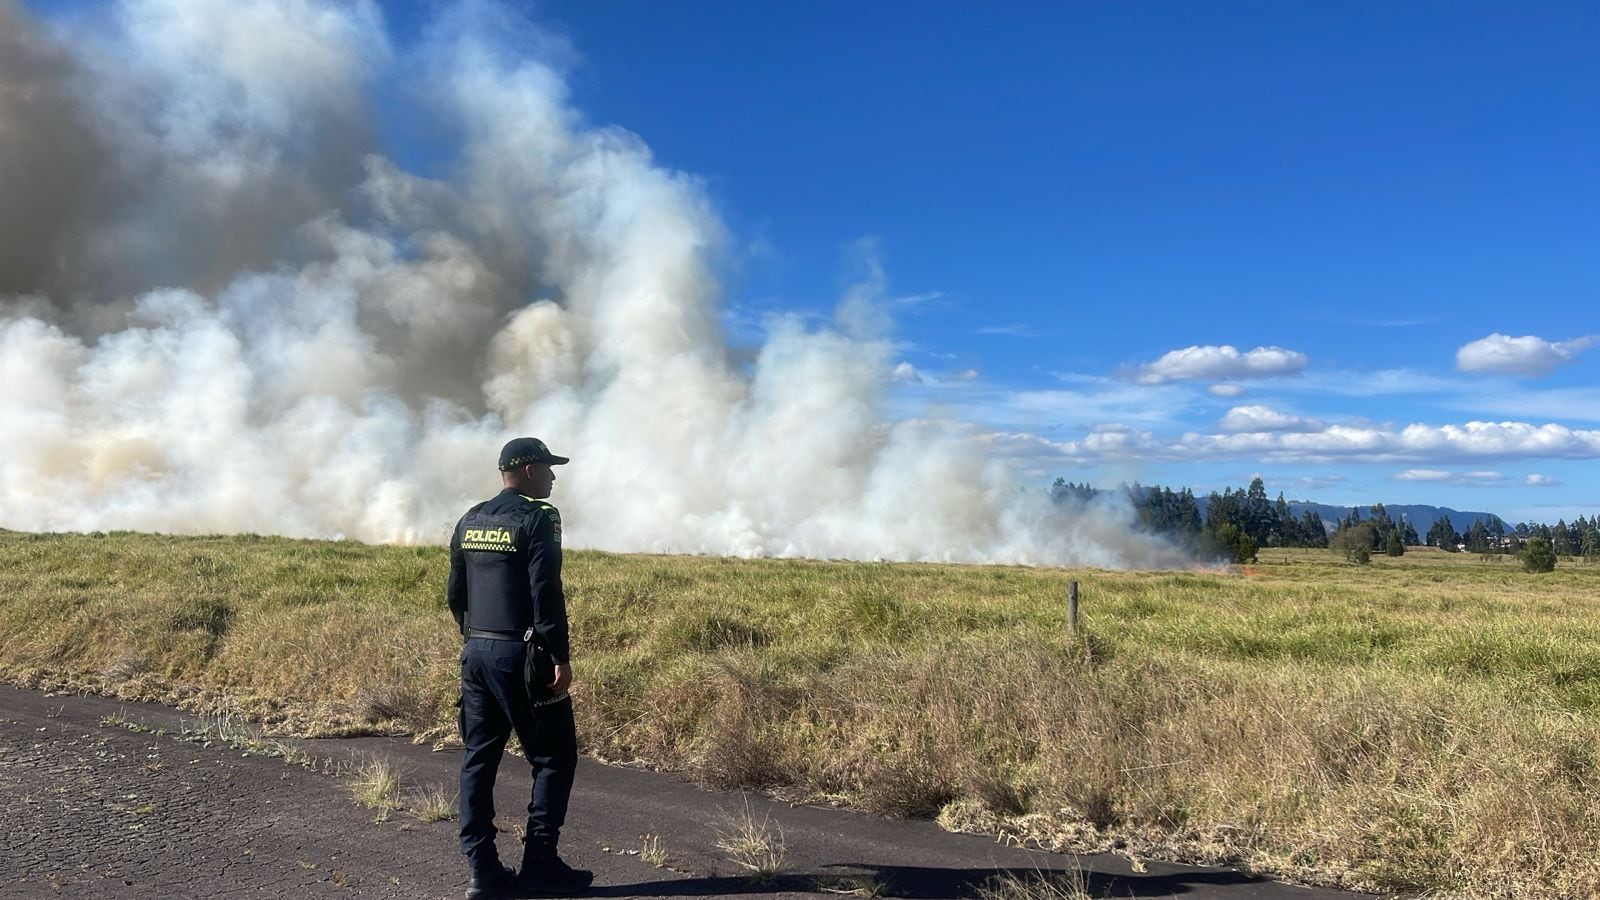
(1072, 607)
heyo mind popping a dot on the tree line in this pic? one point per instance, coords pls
(1580, 538)
(1237, 523)
(1234, 526)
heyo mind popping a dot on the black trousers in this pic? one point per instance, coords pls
(494, 703)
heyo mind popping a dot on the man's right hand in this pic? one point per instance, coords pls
(563, 679)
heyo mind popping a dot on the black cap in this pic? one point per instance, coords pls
(526, 451)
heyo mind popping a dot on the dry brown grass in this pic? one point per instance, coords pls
(754, 844)
(1426, 723)
(1038, 886)
(434, 803)
(375, 784)
(652, 851)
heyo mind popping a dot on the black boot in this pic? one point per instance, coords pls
(487, 877)
(543, 874)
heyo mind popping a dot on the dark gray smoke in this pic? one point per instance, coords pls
(51, 162)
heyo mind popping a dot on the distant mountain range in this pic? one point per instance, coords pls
(1421, 517)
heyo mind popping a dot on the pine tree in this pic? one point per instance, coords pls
(1314, 532)
(1285, 527)
(1443, 535)
(1189, 523)
(1477, 537)
(1561, 539)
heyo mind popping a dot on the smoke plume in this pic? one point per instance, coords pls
(227, 309)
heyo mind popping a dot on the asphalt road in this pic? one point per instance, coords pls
(105, 798)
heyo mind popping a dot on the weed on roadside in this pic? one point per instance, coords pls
(755, 845)
(435, 803)
(652, 851)
(376, 785)
(119, 719)
(233, 732)
(1036, 886)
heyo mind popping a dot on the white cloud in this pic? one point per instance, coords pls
(948, 387)
(1537, 480)
(1016, 330)
(1213, 363)
(1116, 439)
(1525, 355)
(914, 300)
(1421, 475)
(1258, 418)
(1320, 482)
(1225, 390)
(1439, 476)
(1420, 443)
(905, 373)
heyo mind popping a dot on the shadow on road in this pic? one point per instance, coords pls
(923, 883)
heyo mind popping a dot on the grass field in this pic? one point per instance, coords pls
(1424, 723)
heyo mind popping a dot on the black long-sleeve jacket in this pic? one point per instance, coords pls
(505, 570)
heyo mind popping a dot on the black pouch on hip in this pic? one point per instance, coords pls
(538, 668)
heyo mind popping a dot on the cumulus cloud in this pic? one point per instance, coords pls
(1421, 475)
(1320, 482)
(905, 373)
(952, 387)
(1500, 440)
(1537, 480)
(1525, 355)
(1439, 476)
(1214, 363)
(1422, 443)
(1225, 390)
(1257, 418)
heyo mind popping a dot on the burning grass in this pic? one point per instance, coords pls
(1426, 723)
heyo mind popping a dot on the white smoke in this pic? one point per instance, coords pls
(269, 326)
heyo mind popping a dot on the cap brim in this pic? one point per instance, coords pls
(551, 460)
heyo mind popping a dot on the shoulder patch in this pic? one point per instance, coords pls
(550, 511)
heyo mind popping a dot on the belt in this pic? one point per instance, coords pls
(495, 635)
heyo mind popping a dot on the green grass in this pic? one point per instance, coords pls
(1427, 722)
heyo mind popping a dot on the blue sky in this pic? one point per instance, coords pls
(1091, 214)
(1349, 247)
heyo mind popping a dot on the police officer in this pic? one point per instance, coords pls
(504, 590)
